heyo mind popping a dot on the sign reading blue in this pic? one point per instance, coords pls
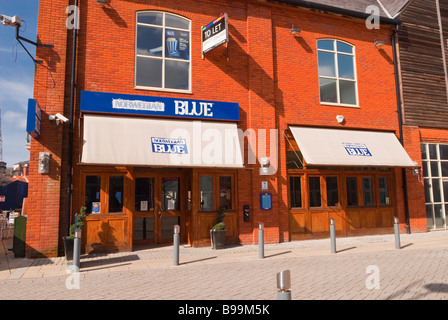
(357, 149)
(102, 102)
(33, 119)
(169, 145)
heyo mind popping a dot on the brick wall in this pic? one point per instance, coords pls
(44, 196)
(270, 73)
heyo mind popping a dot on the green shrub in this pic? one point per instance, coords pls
(220, 225)
(80, 221)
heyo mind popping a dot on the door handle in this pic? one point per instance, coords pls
(158, 211)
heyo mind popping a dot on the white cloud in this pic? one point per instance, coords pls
(14, 119)
(5, 50)
(15, 93)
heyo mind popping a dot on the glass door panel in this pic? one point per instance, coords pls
(170, 194)
(144, 194)
(144, 222)
(168, 224)
(157, 207)
(169, 213)
(144, 228)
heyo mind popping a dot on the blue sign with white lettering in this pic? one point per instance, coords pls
(169, 145)
(357, 149)
(102, 102)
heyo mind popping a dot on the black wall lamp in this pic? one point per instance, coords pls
(101, 2)
(378, 44)
(294, 31)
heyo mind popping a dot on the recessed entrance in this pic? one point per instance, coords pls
(158, 207)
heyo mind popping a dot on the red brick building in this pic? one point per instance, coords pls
(308, 85)
(424, 103)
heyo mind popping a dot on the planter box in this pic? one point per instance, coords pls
(218, 239)
(68, 248)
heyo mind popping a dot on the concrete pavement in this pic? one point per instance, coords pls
(363, 268)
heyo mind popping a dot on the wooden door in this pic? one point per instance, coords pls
(158, 207)
(105, 195)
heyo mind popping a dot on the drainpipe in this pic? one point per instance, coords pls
(70, 130)
(400, 125)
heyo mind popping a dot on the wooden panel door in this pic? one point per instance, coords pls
(158, 207)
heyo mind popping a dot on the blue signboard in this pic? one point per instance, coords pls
(357, 149)
(265, 201)
(33, 119)
(169, 145)
(102, 102)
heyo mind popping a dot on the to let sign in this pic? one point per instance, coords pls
(215, 34)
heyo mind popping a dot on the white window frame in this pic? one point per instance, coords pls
(163, 58)
(440, 179)
(355, 80)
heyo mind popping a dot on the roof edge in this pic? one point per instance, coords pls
(336, 10)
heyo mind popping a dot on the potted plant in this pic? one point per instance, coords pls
(70, 239)
(218, 231)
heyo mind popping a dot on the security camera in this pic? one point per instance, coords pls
(10, 21)
(58, 117)
(61, 117)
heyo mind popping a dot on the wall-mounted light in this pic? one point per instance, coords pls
(10, 21)
(294, 31)
(416, 171)
(16, 22)
(101, 2)
(264, 163)
(378, 44)
(340, 119)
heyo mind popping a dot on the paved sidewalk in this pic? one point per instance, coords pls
(366, 267)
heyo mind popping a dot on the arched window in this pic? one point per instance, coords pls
(162, 52)
(337, 72)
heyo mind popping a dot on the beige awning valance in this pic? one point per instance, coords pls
(136, 141)
(338, 147)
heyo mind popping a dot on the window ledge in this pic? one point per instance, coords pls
(340, 105)
(162, 90)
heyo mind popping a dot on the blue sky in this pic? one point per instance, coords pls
(16, 78)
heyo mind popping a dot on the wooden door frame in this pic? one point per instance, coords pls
(104, 216)
(199, 217)
(158, 174)
(342, 209)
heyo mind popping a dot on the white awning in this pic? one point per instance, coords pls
(160, 142)
(337, 147)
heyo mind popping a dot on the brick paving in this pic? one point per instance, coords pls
(417, 271)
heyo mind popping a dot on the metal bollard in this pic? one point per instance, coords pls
(397, 233)
(261, 240)
(332, 236)
(283, 285)
(176, 242)
(77, 251)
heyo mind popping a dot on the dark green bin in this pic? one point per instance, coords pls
(18, 244)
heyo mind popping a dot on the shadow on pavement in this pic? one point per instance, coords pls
(346, 249)
(108, 261)
(278, 254)
(199, 260)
